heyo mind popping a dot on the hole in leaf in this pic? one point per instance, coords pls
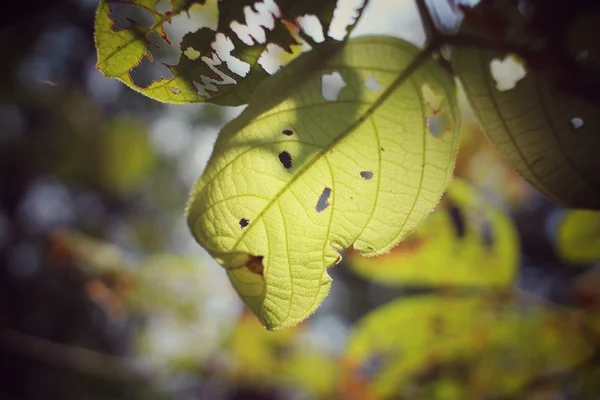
(436, 125)
(244, 222)
(507, 72)
(287, 132)
(311, 25)
(367, 174)
(431, 98)
(437, 121)
(286, 159)
(345, 14)
(373, 84)
(576, 122)
(255, 265)
(323, 203)
(191, 53)
(174, 90)
(331, 85)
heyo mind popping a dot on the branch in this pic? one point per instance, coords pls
(76, 358)
(431, 33)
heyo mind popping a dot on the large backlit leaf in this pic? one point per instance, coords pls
(544, 119)
(303, 173)
(578, 237)
(206, 70)
(466, 241)
(483, 346)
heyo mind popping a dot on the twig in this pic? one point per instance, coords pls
(76, 358)
(431, 33)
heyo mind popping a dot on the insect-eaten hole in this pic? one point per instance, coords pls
(244, 222)
(576, 123)
(255, 265)
(174, 90)
(373, 84)
(367, 174)
(508, 72)
(331, 86)
(437, 121)
(323, 201)
(436, 125)
(287, 132)
(286, 159)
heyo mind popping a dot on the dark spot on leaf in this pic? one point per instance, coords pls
(458, 220)
(367, 174)
(255, 265)
(576, 123)
(323, 203)
(287, 132)
(372, 366)
(282, 351)
(286, 159)
(382, 149)
(244, 222)
(487, 233)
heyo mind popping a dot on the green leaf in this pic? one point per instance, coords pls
(544, 122)
(498, 346)
(302, 174)
(578, 237)
(466, 241)
(201, 75)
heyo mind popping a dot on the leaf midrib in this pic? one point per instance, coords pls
(412, 67)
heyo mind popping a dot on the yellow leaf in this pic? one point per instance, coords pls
(323, 159)
(578, 237)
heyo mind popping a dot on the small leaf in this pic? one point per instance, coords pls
(332, 143)
(578, 237)
(545, 122)
(452, 247)
(204, 72)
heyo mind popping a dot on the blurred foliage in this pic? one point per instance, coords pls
(578, 237)
(104, 296)
(443, 347)
(465, 241)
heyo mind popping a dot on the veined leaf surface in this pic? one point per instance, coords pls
(545, 120)
(307, 170)
(204, 72)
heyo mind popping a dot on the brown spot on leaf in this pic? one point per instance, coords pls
(255, 265)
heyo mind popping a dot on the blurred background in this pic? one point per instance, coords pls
(105, 295)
